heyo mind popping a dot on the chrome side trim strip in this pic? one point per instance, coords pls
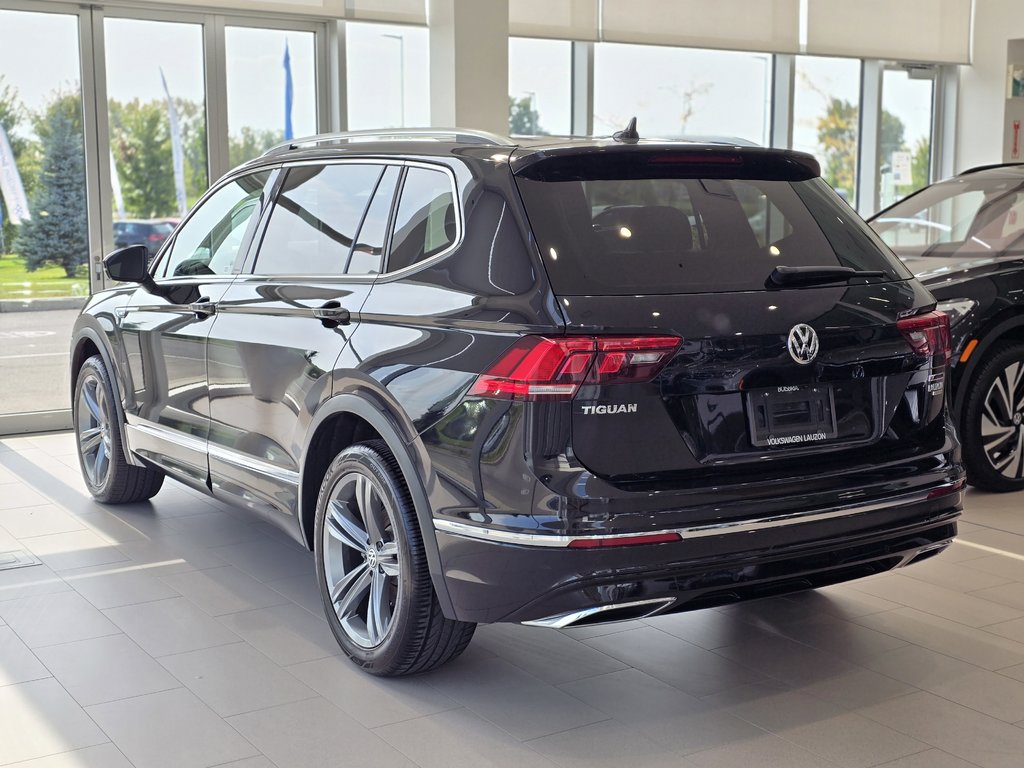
(163, 433)
(253, 465)
(697, 532)
(215, 452)
(568, 619)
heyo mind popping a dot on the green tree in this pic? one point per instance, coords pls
(891, 138)
(837, 136)
(523, 119)
(920, 164)
(140, 139)
(192, 122)
(57, 233)
(250, 143)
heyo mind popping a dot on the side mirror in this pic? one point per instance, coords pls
(128, 265)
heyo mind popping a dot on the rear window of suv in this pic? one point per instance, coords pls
(628, 228)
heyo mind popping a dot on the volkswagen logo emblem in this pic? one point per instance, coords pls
(802, 344)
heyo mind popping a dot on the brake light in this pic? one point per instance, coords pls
(928, 334)
(699, 158)
(154, 238)
(540, 367)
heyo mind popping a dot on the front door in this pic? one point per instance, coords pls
(164, 329)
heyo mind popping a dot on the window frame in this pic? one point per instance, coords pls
(251, 262)
(248, 265)
(158, 262)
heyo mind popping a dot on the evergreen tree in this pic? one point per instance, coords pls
(57, 233)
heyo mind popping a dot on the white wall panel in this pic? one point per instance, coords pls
(904, 30)
(751, 25)
(559, 19)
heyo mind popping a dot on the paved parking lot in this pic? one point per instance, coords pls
(34, 360)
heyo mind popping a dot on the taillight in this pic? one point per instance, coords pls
(540, 367)
(927, 334)
(155, 238)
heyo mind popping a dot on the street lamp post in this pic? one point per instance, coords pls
(401, 72)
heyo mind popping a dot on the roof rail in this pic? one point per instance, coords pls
(989, 167)
(457, 135)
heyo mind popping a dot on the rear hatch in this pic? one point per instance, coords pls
(741, 316)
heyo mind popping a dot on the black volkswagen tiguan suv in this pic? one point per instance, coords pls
(556, 384)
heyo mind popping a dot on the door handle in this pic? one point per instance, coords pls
(203, 308)
(332, 314)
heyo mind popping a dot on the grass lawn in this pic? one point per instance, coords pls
(16, 282)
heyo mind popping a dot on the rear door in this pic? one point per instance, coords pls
(283, 324)
(659, 245)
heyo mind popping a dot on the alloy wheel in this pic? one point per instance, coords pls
(94, 424)
(1002, 422)
(361, 559)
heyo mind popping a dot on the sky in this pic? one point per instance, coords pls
(727, 93)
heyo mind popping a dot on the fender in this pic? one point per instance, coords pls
(414, 465)
(990, 337)
(102, 343)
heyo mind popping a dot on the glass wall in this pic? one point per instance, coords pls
(156, 99)
(388, 76)
(905, 144)
(826, 114)
(271, 83)
(682, 91)
(44, 238)
(539, 86)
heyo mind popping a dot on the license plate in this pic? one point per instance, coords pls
(782, 417)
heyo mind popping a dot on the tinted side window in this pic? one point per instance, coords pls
(368, 253)
(315, 218)
(425, 224)
(208, 242)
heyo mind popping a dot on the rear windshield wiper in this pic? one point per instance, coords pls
(784, 277)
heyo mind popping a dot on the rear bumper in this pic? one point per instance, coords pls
(498, 576)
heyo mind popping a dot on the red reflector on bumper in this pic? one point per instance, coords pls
(949, 489)
(624, 541)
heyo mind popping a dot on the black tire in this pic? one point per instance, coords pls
(993, 422)
(410, 634)
(107, 474)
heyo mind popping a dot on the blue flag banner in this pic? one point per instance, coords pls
(288, 134)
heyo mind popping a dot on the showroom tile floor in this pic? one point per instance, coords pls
(185, 634)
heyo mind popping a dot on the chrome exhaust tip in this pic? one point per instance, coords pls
(604, 614)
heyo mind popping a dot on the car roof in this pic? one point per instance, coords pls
(443, 142)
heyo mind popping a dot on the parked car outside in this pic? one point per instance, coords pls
(148, 232)
(557, 383)
(964, 239)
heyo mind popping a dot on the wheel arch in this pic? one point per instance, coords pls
(1005, 327)
(349, 418)
(88, 342)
